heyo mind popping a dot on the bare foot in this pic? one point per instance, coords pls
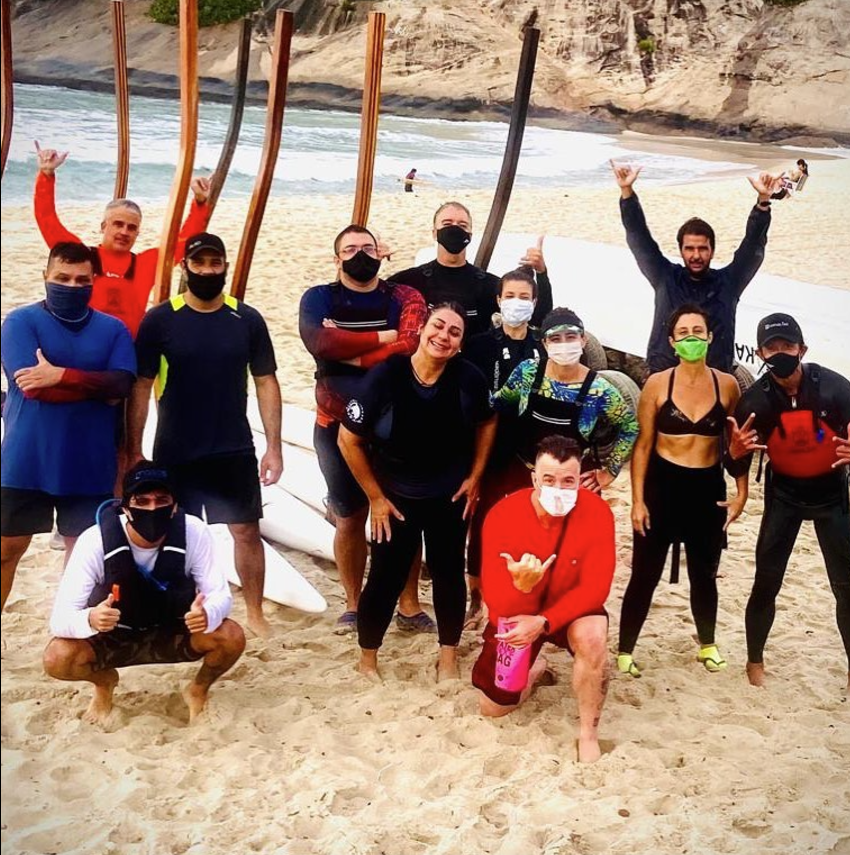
(588, 750)
(100, 707)
(447, 671)
(196, 699)
(475, 612)
(755, 673)
(368, 666)
(258, 625)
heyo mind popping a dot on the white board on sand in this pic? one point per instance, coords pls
(284, 584)
(290, 522)
(296, 428)
(603, 284)
(301, 476)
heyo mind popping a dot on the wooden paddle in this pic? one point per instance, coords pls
(122, 99)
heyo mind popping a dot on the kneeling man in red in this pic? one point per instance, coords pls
(548, 559)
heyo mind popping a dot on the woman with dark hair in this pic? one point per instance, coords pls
(495, 353)
(417, 438)
(678, 488)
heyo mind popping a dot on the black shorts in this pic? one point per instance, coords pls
(227, 487)
(156, 646)
(345, 496)
(26, 512)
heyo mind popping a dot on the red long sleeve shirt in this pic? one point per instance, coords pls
(113, 293)
(579, 581)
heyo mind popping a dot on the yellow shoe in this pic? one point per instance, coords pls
(626, 665)
(710, 657)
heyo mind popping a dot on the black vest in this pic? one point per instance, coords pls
(159, 598)
(546, 416)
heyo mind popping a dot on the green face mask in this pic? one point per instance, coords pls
(691, 349)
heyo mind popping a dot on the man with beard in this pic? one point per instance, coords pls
(800, 416)
(715, 290)
(451, 278)
(199, 346)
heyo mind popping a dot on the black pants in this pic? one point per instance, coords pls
(682, 505)
(442, 523)
(780, 526)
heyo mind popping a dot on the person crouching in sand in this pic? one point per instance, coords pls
(142, 590)
(548, 563)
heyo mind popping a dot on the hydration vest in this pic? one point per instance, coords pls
(799, 442)
(160, 597)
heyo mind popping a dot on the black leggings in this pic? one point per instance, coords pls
(682, 504)
(780, 526)
(442, 523)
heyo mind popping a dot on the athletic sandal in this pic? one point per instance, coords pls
(346, 623)
(420, 622)
(626, 665)
(711, 658)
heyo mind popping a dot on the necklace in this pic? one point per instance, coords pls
(419, 379)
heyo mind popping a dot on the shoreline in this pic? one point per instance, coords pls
(603, 118)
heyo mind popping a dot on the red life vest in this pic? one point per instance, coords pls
(801, 446)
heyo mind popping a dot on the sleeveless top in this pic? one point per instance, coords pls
(673, 422)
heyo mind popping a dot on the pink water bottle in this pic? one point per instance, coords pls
(512, 663)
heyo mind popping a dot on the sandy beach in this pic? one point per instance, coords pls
(299, 755)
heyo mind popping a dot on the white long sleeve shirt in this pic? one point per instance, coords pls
(70, 616)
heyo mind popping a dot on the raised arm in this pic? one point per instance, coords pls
(198, 217)
(749, 256)
(44, 200)
(646, 251)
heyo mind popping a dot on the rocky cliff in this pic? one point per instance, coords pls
(743, 68)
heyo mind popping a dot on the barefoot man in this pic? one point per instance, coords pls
(139, 589)
(799, 415)
(548, 559)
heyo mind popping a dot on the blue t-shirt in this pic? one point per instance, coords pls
(63, 449)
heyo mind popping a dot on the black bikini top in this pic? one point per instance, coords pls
(673, 422)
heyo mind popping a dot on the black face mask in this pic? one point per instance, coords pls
(453, 239)
(782, 365)
(151, 525)
(361, 267)
(205, 287)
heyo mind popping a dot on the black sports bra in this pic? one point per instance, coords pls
(673, 422)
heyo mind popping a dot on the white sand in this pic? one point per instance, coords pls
(298, 755)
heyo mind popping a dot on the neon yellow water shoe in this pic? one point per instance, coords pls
(626, 665)
(711, 659)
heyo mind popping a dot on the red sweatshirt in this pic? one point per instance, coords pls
(579, 581)
(113, 293)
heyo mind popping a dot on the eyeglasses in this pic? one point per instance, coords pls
(350, 251)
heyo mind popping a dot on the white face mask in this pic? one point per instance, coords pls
(565, 352)
(516, 311)
(557, 502)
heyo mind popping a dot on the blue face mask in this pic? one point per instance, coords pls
(68, 302)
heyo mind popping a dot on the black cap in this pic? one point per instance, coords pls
(204, 240)
(558, 318)
(146, 476)
(779, 325)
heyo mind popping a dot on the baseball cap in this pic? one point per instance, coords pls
(204, 240)
(778, 325)
(145, 476)
(561, 320)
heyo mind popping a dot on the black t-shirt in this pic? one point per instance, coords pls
(422, 437)
(201, 360)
